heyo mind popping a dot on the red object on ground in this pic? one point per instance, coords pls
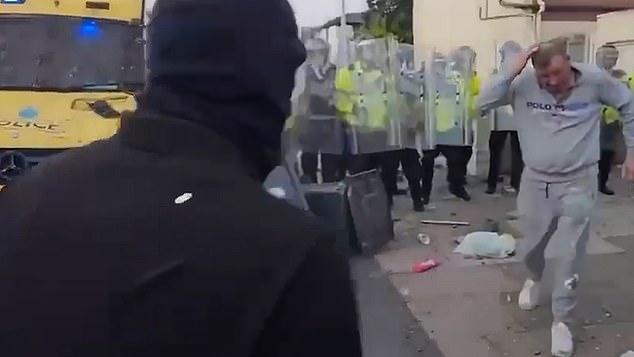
(425, 266)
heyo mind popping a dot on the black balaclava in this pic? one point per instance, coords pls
(228, 65)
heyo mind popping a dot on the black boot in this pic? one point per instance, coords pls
(461, 193)
(606, 191)
(490, 190)
(419, 206)
(400, 192)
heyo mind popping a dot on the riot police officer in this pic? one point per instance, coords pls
(503, 126)
(607, 57)
(455, 90)
(362, 88)
(322, 135)
(406, 119)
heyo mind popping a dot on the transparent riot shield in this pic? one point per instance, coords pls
(323, 132)
(290, 147)
(449, 100)
(502, 118)
(370, 85)
(283, 182)
(411, 89)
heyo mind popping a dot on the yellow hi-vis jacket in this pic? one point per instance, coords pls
(474, 92)
(349, 83)
(612, 115)
(446, 108)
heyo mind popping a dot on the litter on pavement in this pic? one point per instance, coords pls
(445, 223)
(486, 245)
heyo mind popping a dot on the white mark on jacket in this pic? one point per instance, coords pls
(277, 192)
(183, 198)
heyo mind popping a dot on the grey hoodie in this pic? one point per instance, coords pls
(560, 141)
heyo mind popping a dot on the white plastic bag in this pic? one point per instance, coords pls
(487, 245)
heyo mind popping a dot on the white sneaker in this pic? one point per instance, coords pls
(562, 344)
(529, 296)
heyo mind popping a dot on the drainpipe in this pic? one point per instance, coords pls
(536, 9)
(621, 42)
(483, 13)
(537, 21)
(532, 7)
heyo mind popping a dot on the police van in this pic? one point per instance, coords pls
(68, 69)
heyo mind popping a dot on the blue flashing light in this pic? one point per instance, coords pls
(89, 29)
(16, 2)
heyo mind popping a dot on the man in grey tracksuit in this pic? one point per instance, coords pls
(557, 105)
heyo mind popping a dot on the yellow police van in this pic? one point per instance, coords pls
(68, 69)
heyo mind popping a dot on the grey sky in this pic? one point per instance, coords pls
(314, 12)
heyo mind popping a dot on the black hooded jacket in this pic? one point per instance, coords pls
(160, 241)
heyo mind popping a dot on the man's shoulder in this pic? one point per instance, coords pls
(587, 68)
(590, 73)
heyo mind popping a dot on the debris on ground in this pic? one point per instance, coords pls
(423, 239)
(445, 223)
(487, 245)
(513, 215)
(425, 266)
(490, 225)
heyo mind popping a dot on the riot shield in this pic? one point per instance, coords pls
(283, 181)
(299, 111)
(369, 85)
(290, 146)
(411, 90)
(502, 118)
(323, 131)
(449, 85)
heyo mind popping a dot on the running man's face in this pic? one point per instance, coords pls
(557, 76)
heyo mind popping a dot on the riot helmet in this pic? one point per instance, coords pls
(607, 56)
(372, 53)
(405, 56)
(463, 59)
(317, 52)
(508, 50)
(439, 63)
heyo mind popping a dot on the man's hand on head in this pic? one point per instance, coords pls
(521, 59)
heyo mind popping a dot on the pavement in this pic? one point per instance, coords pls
(467, 307)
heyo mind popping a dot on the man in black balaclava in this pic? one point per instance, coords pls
(161, 241)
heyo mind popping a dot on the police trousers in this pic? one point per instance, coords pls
(333, 166)
(409, 159)
(387, 162)
(559, 214)
(457, 159)
(497, 140)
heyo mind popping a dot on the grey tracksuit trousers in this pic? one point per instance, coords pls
(561, 210)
